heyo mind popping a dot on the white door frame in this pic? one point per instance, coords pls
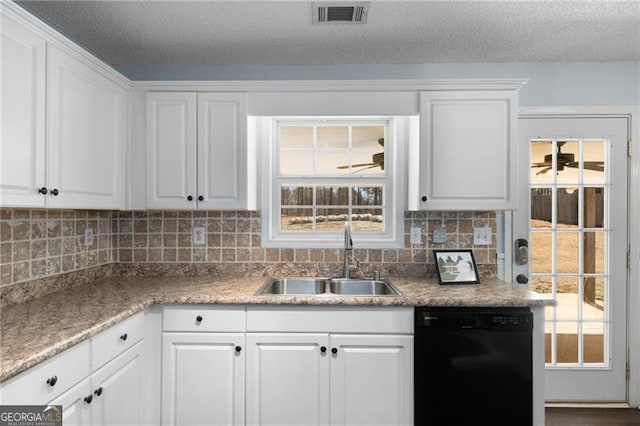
(633, 290)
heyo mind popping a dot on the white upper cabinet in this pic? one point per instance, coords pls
(467, 150)
(86, 135)
(22, 156)
(171, 150)
(201, 166)
(222, 150)
(64, 125)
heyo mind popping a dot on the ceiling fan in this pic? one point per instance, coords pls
(566, 160)
(377, 160)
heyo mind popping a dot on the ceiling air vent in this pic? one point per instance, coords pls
(340, 13)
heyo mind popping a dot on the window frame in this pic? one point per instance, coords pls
(394, 186)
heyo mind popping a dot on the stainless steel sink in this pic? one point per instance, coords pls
(294, 286)
(361, 287)
(319, 286)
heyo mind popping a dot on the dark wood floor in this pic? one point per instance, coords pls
(560, 416)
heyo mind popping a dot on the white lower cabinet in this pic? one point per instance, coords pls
(353, 366)
(203, 379)
(100, 381)
(203, 365)
(110, 396)
(371, 380)
(287, 379)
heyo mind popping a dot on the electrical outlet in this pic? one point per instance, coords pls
(88, 237)
(416, 236)
(199, 236)
(482, 236)
(439, 235)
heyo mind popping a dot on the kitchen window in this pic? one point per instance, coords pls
(324, 172)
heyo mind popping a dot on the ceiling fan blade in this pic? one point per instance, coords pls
(543, 171)
(357, 165)
(372, 166)
(598, 166)
(540, 165)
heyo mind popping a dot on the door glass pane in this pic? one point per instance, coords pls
(567, 256)
(567, 342)
(541, 261)
(541, 162)
(568, 298)
(594, 161)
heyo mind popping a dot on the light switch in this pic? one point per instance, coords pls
(482, 236)
(439, 235)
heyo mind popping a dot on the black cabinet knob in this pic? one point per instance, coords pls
(424, 198)
(124, 337)
(51, 381)
(43, 190)
(323, 349)
(98, 391)
(199, 318)
(88, 399)
(334, 350)
(54, 192)
(238, 348)
(189, 198)
(200, 198)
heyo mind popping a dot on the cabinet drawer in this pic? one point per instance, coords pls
(64, 370)
(116, 339)
(205, 318)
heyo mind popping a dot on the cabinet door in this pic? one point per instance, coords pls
(467, 150)
(203, 378)
(22, 154)
(76, 404)
(86, 134)
(118, 390)
(171, 150)
(371, 380)
(287, 379)
(222, 150)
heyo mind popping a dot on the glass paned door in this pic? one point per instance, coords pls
(575, 217)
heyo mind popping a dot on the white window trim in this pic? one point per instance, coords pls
(398, 134)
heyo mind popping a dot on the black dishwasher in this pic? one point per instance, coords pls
(472, 366)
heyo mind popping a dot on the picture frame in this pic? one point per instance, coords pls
(456, 266)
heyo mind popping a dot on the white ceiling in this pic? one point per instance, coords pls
(397, 32)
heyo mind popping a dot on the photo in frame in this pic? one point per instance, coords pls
(456, 266)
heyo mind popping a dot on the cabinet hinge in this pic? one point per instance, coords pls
(628, 371)
(629, 259)
(629, 148)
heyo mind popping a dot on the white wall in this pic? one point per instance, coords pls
(550, 83)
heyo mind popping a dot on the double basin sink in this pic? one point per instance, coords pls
(319, 286)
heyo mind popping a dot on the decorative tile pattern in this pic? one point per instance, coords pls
(234, 237)
(36, 244)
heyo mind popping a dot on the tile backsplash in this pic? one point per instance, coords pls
(43, 243)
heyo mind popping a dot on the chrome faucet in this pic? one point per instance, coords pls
(348, 246)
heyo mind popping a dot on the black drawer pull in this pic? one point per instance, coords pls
(199, 318)
(124, 337)
(200, 198)
(334, 350)
(43, 190)
(98, 391)
(54, 192)
(323, 349)
(238, 348)
(52, 381)
(88, 399)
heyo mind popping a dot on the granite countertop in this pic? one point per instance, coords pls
(34, 331)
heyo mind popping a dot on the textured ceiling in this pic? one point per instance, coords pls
(398, 32)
